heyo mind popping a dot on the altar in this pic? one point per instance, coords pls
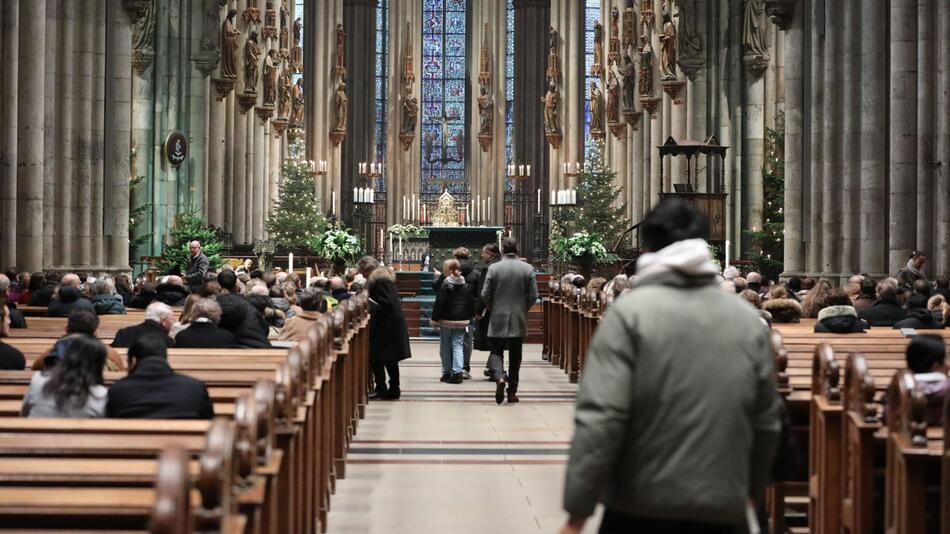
(444, 239)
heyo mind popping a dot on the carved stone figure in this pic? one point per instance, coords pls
(629, 28)
(212, 12)
(410, 113)
(296, 96)
(252, 56)
(668, 47)
(751, 32)
(550, 100)
(646, 67)
(629, 83)
(597, 68)
(596, 108)
(340, 102)
(646, 14)
(486, 111)
(229, 46)
(284, 96)
(143, 34)
(284, 27)
(553, 73)
(271, 64)
(298, 30)
(340, 43)
(613, 97)
(615, 21)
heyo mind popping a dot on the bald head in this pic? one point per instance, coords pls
(194, 247)
(337, 283)
(70, 279)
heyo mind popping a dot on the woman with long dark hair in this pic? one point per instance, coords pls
(73, 388)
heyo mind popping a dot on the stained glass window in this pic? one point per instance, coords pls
(509, 87)
(382, 57)
(591, 16)
(443, 95)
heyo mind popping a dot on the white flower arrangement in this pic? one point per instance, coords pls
(337, 245)
(581, 244)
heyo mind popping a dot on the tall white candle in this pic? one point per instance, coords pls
(290, 262)
(391, 251)
(539, 201)
(309, 274)
(400, 247)
(727, 255)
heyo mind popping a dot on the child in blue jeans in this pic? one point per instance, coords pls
(453, 311)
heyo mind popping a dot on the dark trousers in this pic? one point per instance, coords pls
(618, 523)
(379, 374)
(496, 360)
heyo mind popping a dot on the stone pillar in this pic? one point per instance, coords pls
(9, 76)
(850, 103)
(239, 221)
(30, 157)
(794, 143)
(753, 147)
(941, 255)
(532, 19)
(97, 50)
(119, 137)
(874, 49)
(63, 134)
(359, 21)
(902, 176)
(814, 215)
(568, 19)
(925, 124)
(831, 140)
(250, 229)
(217, 123)
(259, 177)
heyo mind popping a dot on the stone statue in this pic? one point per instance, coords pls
(486, 111)
(340, 102)
(340, 43)
(690, 42)
(596, 108)
(553, 73)
(646, 67)
(550, 100)
(410, 113)
(271, 64)
(668, 47)
(252, 55)
(143, 33)
(212, 12)
(284, 29)
(629, 82)
(614, 22)
(298, 30)
(597, 67)
(296, 96)
(613, 97)
(751, 32)
(284, 95)
(229, 46)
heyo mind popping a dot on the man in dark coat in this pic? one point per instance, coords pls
(197, 266)
(388, 333)
(159, 319)
(69, 299)
(239, 317)
(509, 292)
(172, 291)
(886, 311)
(44, 295)
(490, 254)
(152, 390)
(203, 332)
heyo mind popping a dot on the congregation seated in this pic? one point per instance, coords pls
(34, 285)
(19, 283)
(926, 358)
(782, 308)
(239, 317)
(920, 315)
(123, 288)
(283, 296)
(143, 296)
(105, 300)
(152, 390)
(338, 289)
(68, 298)
(753, 298)
(866, 295)
(186, 317)
(942, 287)
(79, 323)
(171, 291)
(159, 318)
(74, 387)
(203, 332)
(885, 311)
(11, 359)
(16, 316)
(44, 294)
(312, 305)
(815, 299)
(838, 315)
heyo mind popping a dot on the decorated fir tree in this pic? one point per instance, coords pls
(189, 226)
(766, 247)
(295, 219)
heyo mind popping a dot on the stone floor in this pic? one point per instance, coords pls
(447, 459)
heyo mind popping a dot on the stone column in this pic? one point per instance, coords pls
(119, 138)
(250, 229)
(753, 136)
(568, 19)
(874, 50)
(814, 215)
(794, 143)
(30, 157)
(925, 124)
(259, 177)
(217, 123)
(902, 176)
(532, 19)
(63, 134)
(359, 21)
(941, 255)
(9, 75)
(850, 102)
(831, 141)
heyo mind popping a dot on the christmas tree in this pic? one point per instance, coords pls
(295, 219)
(599, 212)
(189, 226)
(767, 246)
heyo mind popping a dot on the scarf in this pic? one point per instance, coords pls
(690, 257)
(911, 268)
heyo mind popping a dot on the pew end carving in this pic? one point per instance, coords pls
(171, 512)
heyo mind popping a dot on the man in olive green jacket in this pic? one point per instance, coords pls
(676, 417)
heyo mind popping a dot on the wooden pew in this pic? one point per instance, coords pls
(824, 469)
(863, 453)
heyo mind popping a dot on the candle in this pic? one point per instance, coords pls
(529, 170)
(372, 196)
(488, 214)
(290, 262)
(391, 251)
(333, 202)
(573, 196)
(727, 254)
(309, 273)
(478, 204)
(400, 247)
(539, 201)
(553, 198)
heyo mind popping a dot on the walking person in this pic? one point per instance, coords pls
(490, 255)
(509, 292)
(677, 415)
(453, 312)
(388, 333)
(473, 280)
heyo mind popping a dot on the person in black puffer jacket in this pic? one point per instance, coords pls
(473, 280)
(453, 311)
(172, 291)
(886, 311)
(782, 308)
(68, 299)
(920, 315)
(239, 317)
(838, 316)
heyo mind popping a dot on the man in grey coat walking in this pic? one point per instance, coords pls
(509, 292)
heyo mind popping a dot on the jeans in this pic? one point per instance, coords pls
(496, 360)
(468, 343)
(451, 349)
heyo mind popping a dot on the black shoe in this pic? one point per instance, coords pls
(379, 394)
(455, 379)
(512, 398)
(500, 391)
(487, 373)
(445, 377)
(393, 394)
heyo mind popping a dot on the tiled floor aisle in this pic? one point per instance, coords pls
(447, 459)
